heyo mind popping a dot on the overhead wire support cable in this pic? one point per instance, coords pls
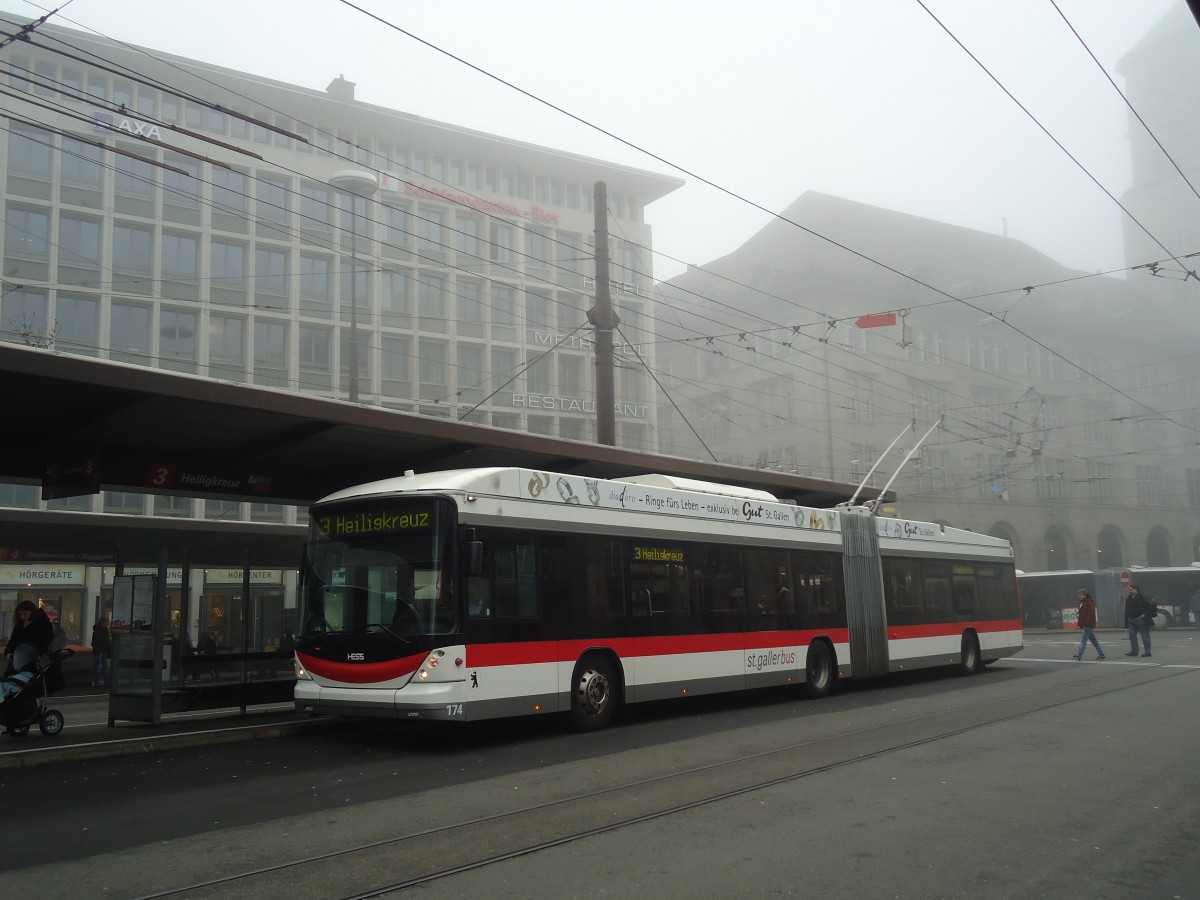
(1130, 106)
(25, 33)
(125, 72)
(1047, 132)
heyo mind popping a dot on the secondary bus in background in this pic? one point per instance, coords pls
(1171, 587)
(1048, 599)
(481, 593)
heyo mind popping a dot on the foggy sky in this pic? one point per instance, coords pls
(867, 99)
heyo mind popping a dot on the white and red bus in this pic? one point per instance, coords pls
(480, 593)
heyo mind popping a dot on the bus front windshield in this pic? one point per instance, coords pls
(379, 566)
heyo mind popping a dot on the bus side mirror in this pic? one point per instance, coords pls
(473, 557)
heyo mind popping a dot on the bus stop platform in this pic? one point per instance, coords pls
(87, 734)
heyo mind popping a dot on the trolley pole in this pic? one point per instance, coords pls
(604, 319)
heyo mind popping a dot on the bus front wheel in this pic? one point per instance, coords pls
(972, 661)
(594, 694)
(819, 671)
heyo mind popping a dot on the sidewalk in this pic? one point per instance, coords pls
(86, 734)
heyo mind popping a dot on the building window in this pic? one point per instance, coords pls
(124, 503)
(315, 214)
(985, 354)
(26, 244)
(181, 193)
(270, 353)
(470, 316)
(175, 507)
(394, 303)
(471, 372)
(132, 258)
(431, 370)
(226, 347)
(570, 376)
(397, 228)
(227, 268)
(315, 358)
(271, 273)
(431, 302)
(129, 336)
(1100, 482)
(230, 199)
(134, 179)
(430, 225)
(82, 168)
(271, 206)
(467, 236)
(177, 340)
(77, 324)
(1150, 488)
(504, 308)
(396, 367)
(30, 155)
(1193, 486)
(180, 266)
(503, 243)
(24, 317)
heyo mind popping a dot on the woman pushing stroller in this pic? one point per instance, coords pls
(32, 633)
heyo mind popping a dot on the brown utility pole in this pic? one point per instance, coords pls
(604, 319)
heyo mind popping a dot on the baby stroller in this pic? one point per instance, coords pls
(24, 695)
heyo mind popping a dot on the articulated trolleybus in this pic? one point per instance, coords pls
(480, 593)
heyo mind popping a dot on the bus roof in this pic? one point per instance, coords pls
(658, 495)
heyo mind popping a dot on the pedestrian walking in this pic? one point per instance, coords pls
(1087, 624)
(1137, 621)
(1196, 608)
(101, 651)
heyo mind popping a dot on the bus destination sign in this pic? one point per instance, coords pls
(361, 523)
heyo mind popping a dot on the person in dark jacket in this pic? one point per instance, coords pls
(32, 632)
(1087, 624)
(1137, 621)
(101, 650)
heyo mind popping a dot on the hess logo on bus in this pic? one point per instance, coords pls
(356, 657)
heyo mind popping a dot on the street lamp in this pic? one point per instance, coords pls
(355, 183)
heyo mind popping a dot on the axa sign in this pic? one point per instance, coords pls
(109, 122)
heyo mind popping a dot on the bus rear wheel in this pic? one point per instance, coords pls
(819, 671)
(972, 661)
(594, 694)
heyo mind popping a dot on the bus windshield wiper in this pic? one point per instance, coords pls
(394, 634)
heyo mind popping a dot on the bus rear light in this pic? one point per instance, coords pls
(458, 662)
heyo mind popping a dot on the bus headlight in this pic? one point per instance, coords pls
(301, 673)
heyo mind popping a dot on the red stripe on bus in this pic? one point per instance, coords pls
(531, 652)
(945, 629)
(361, 673)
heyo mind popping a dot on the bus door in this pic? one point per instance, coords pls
(504, 629)
(665, 632)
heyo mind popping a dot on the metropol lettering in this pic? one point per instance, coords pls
(576, 342)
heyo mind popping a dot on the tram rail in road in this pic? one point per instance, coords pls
(446, 844)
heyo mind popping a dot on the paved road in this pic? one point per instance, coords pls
(1041, 778)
